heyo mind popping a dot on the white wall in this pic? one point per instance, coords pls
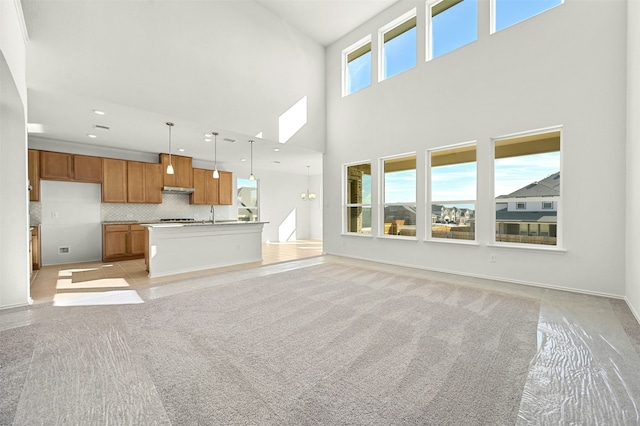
(280, 204)
(633, 155)
(554, 69)
(70, 218)
(14, 225)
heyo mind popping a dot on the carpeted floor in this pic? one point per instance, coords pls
(327, 344)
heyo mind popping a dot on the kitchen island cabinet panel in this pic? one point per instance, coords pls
(114, 181)
(34, 174)
(56, 165)
(87, 168)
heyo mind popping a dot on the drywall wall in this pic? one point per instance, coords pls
(529, 76)
(71, 220)
(632, 252)
(14, 225)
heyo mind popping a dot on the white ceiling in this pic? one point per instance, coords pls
(231, 66)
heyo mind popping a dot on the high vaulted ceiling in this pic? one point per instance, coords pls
(235, 67)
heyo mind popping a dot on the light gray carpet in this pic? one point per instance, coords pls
(328, 344)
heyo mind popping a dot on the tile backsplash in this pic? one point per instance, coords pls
(174, 206)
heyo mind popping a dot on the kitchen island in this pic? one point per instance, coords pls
(174, 248)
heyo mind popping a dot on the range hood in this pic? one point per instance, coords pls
(177, 190)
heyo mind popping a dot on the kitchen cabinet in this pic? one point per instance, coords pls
(182, 168)
(208, 190)
(56, 165)
(225, 188)
(114, 181)
(153, 183)
(122, 242)
(34, 174)
(87, 168)
(135, 182)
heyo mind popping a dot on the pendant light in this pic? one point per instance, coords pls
(170, 166)
(251, 176)
(216, 175)
(308, 195)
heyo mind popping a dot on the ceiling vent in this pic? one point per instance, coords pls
(229, 140)
(101, 127)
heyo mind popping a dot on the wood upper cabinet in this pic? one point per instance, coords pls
(225, 189)
(135, 182)
(182, 168)
(153, 183)
(87, 168)
(34, 174)
(208, 190)
(56, 165)
(114, 181)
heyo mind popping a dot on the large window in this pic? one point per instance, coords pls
(399, 50)
(400, 196)
(358, 198)
(453, 177)
(248, 200)
(527, 188)
(510, 12)
(454, 23)
(357, 66)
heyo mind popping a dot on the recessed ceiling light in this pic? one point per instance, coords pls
(98, 112)
(207, 135)
(276, 149)
(243, 159)
(92, 136)
(207, 139)
(181, 149)
(276, 162)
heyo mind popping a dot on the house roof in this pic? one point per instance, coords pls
(547, 187)
(511, 216)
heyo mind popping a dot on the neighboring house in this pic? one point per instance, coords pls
(530, 211)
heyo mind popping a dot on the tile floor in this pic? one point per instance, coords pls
(53, 282)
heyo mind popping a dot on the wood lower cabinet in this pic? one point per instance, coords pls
(122, 242)
(114, 181)
(34, 174)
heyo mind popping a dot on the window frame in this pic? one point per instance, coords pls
(492, 16)
(429, 28)
(382, 204)
(559, 246)
(429, 196)
(238, 207)
(345, 63)
(399, 21)
(346, 205)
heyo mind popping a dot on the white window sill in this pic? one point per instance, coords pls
(398, 237)
(470, 243)
(356, 234)
(529, 247)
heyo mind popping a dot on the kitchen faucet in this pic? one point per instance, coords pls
(213, 217)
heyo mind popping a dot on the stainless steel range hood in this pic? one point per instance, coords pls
(177, 190)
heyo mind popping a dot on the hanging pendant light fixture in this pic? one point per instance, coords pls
(216, 175)
(251, 176)
(170, 166)
(308, 195)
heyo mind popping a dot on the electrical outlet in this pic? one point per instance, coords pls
(129, 216)
(195, 216)
(492, 258)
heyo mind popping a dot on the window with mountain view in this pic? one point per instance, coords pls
(453, 177)
(399, 215)
(527, 188)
